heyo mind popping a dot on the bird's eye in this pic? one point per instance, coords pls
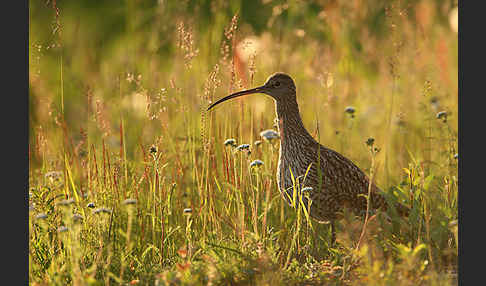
(277, 83)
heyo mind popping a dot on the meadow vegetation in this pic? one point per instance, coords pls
(131, 182)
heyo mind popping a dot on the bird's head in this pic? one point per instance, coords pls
(280, 86)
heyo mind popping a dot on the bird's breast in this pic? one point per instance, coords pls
(294, 169)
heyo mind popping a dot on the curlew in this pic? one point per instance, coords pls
(332, 180)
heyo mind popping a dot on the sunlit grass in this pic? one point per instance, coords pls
(131, 181)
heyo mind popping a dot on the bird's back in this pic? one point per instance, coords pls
(335, 180)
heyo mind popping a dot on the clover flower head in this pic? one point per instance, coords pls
(350, 110)
(442, 115)
(65, 203)
(230, 142)
(256, 163)
(243, 147)
(129, 201)
(41, 216)
(77, 217)
(101, 210)
(307, 189)
(269, 134)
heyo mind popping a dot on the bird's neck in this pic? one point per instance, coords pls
(290, 123)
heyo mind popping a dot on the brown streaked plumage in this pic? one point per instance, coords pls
(341, 182)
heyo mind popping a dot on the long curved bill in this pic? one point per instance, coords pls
(237, 94)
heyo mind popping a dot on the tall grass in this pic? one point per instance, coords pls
(130, 179)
